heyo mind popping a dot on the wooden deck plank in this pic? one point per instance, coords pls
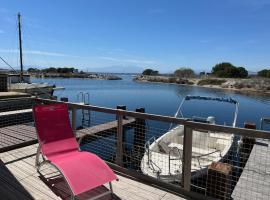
(20, 131)
(102, 127)
(8, 140)
(254, 182)
(19, 165)
(16, 136)
(19, 135)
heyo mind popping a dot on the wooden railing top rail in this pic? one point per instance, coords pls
(17, 98)
(193, 125)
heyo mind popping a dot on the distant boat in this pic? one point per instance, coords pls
(163, 156)
(20, 82)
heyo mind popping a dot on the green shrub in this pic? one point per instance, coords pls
(184, 72)
(264, 73)
(227, 70)
(211, 82)
(150, 72)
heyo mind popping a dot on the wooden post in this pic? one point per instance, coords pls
(54, 98)
(219, 180)
(74, 116)
(3, 82)
(119, 137)
(64, 99)
(249, 125)
(121, 107)
(187, 156)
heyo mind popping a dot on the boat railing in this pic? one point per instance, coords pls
(150, 162)
(147, 147)
(203, 155)
(206, 98)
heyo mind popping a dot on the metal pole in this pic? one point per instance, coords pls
(20, 46)
(187, 156)
(119, 147)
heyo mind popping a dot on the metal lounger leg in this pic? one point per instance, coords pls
(110, 183)
(37, 156)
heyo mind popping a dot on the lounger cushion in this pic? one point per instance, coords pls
(83, 170)
(59, 147)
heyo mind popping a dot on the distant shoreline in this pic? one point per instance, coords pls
(77, 75)
(262, 85)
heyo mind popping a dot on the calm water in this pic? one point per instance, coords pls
(164, 99)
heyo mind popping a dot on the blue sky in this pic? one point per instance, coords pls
(160, 34)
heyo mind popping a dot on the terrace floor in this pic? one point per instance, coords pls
(20, 180)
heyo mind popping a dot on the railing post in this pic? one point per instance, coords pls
(119, 146)
(187, 157)
(74, 116)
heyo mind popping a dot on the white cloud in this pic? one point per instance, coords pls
(137, 61)
(34, 52)
(58, 54)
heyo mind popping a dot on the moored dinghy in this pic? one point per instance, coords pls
(163, 156)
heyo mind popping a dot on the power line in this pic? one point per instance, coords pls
(7, 64)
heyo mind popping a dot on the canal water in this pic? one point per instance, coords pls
(164, 99)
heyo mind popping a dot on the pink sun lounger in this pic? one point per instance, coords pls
(82, 171)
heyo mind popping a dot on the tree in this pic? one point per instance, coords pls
(65, 70)
(264, 73)
(60, 70)
(184, 72)
(50, 69)
(227, 70)
(31, 69)
(150, 72)
(242, 72)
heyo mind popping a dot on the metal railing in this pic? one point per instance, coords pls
(113, 145)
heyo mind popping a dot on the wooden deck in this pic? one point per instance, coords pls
(254, 182)
(106, 127)
(15, 136)
(20, 180)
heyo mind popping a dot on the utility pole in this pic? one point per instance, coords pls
(20, 46)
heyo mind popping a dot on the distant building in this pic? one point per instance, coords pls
(5, 71)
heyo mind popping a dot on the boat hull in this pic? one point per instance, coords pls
(163, 157)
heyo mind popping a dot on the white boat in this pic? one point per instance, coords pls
(163, 156)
